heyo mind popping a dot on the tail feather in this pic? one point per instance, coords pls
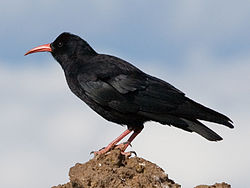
(189, 125)
(202, 130)
(193, 110)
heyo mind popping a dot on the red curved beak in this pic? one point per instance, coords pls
(41, 48)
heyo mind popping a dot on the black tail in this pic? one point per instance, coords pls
(202, 130)
(190, 125)
(193, 110)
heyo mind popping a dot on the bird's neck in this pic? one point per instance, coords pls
(69, 66)
(72, 64)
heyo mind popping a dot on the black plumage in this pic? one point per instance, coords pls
(121, 93)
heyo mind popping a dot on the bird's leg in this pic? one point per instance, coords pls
(123, 146)
(113, 143)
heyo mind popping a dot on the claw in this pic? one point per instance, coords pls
(95, 152)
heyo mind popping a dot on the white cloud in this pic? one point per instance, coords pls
(134, 26)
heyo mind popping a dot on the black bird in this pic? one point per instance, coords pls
(121, 93)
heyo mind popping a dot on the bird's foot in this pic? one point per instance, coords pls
(102, 151)
(122, 147)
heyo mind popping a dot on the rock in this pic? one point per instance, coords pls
(116, 170)
(217, 185)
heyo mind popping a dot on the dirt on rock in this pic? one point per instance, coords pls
(114, 170)
(217, 185)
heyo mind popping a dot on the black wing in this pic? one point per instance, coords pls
(131, 92)
(105, 95)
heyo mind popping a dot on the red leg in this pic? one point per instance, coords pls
(113, 143)
(124, 146)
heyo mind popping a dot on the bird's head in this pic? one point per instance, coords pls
(66, 46)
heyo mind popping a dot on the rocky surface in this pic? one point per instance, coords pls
(217, 185)
(117, 171)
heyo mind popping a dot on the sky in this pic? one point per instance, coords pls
(200, 47)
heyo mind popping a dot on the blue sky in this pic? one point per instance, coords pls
(201, 47)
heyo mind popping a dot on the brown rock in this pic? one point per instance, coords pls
(115, 170)
(217, 185)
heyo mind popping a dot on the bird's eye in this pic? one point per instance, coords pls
(60, 44)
